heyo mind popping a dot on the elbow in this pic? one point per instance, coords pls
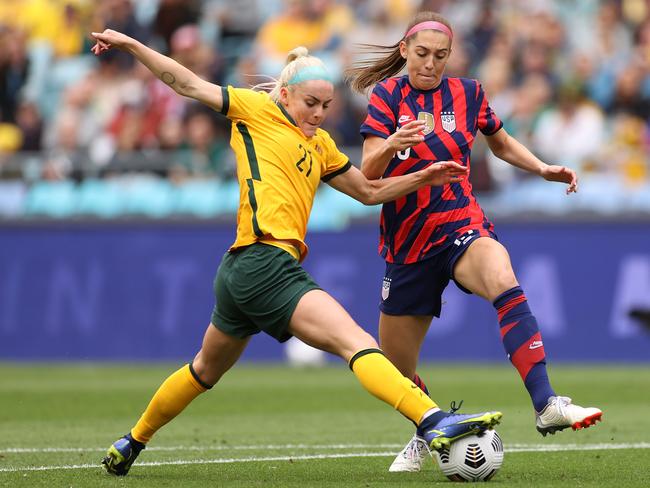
(500, 148)
(370, 195)
(184, 89)
(368, 173)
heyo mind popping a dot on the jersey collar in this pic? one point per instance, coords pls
(286, 114)
(432, 90)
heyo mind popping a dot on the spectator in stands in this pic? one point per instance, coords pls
(204, 152)
(14, 70)
(30, 123)
(572, 130)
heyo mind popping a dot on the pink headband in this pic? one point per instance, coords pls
(430, 25)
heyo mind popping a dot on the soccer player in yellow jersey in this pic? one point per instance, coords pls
(282, 155)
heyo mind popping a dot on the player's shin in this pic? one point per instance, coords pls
(382, 379)
(175, 393)
(523, 343)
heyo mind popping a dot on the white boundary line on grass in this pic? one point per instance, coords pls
(514, 448)
(509, 447)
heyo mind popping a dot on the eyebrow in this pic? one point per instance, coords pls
(318, 100)
(427, 49)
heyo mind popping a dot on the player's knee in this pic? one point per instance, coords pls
(206, 369)
(356, 341)
(500, 283)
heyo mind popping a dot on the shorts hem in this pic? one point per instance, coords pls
(229, 331)
(401, 314)
(283, 335)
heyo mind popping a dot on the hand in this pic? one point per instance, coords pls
(561, 174)
(444, 172)
(408, 135)
(107, 40)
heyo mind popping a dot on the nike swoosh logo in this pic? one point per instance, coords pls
(536, 345)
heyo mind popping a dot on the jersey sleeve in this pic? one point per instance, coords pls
(241, 103)
(488, 122)
(380, 120)
(335, 162)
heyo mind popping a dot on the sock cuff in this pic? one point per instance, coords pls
(362, 353)
(197, 379)
(507, 295)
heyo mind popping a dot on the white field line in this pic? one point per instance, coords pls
(512, 449)
(509, 447)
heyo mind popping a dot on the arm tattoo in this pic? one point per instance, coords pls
(168, 78)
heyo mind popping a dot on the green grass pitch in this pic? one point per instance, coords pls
(273, 426)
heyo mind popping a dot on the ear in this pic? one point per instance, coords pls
(403, 49)
(284, 95)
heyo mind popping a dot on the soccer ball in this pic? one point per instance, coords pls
(300, 354)
(472, 458)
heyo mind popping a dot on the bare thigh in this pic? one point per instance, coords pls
(485, 269)
(218, 353)
(401, 337)
(320, 321)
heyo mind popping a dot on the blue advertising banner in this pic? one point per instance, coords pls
(144, 292)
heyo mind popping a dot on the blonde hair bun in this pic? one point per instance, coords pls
(298, 52)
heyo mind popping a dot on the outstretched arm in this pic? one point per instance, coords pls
(371, 192)
(182, 80)
(506, 147)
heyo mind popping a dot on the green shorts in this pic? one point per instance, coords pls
(257, 288)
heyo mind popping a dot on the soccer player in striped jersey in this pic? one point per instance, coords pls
(282, 156)
(440, 233)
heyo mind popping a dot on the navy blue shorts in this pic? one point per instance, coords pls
(416, 289)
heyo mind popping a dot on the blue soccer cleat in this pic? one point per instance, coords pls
(121, 454)
(456, 426)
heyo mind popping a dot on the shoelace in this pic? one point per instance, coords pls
(453, 408)
(561, 403)
(415, 451)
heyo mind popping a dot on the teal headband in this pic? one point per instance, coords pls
(315, 72)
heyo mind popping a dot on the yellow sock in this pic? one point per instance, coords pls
(176, 393)
(381, 378)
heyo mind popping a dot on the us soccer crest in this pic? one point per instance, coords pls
(429, 122)
(385, 288)
(448, 121)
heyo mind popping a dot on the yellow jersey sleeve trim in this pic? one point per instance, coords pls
(340, 171)
(225, 106)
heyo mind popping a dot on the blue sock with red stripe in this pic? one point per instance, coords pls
(418, 381)
(523, 343)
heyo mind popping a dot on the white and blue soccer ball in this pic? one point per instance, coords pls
(302, 355)
(472, 458)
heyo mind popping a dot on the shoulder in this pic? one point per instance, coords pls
(467, 83)
(248, 94)
(244, 102)
(391, 85)
(324, 138)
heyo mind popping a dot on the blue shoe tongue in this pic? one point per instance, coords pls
(431, 421)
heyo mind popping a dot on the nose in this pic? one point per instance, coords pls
(429, 64)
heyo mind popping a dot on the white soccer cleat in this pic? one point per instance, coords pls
(559, 413)
(412, 457)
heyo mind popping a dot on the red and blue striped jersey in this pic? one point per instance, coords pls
(420, 224)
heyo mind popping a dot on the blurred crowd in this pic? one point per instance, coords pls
(569, 78)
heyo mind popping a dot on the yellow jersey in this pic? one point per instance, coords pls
(278, 169)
